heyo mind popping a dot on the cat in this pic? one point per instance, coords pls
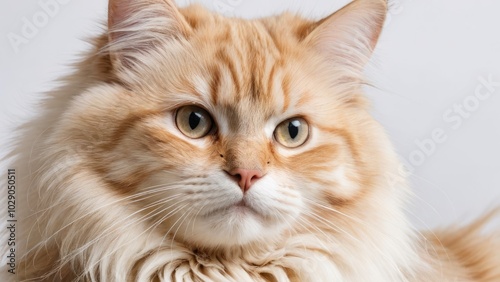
(187, 146)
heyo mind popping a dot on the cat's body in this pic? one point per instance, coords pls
(122, 192)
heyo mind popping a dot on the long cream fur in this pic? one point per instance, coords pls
(114, 192)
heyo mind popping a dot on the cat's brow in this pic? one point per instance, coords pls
(226, 60)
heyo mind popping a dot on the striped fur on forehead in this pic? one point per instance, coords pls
(241, 66)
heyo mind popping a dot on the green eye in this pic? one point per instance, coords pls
(292, 132)
(194, 122)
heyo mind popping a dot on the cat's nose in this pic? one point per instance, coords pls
(246, 177)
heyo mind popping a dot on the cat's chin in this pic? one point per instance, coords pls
(236, 225)
(238, 210)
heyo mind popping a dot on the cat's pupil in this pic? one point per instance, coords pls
(194, 120)
(293, 128)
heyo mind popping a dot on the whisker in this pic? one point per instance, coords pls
(148, 194)
(186, 215)
(158, 202)
(332, 210)
(118, 247)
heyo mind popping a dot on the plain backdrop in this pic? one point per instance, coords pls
(436, 77)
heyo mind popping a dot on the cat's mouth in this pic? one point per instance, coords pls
(239, 208)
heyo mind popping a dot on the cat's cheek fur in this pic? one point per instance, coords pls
(324, 165)
(277, 198)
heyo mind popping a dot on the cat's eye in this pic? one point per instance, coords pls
(292, 132)
(193, 121)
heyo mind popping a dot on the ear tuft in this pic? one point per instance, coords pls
(137, 26)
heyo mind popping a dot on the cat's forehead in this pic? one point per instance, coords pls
(246, 72)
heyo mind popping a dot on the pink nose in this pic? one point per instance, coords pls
(246, 177)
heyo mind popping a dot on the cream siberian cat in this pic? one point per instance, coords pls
(192, 147)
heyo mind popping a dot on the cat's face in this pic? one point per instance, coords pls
(224, 132)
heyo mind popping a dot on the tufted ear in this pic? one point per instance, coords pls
(137, 26)
(348, 36)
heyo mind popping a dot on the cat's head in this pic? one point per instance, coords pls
(225, 131)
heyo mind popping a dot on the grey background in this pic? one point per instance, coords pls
(431, 57)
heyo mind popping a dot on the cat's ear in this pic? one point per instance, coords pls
(137, 26)
(347, 37)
